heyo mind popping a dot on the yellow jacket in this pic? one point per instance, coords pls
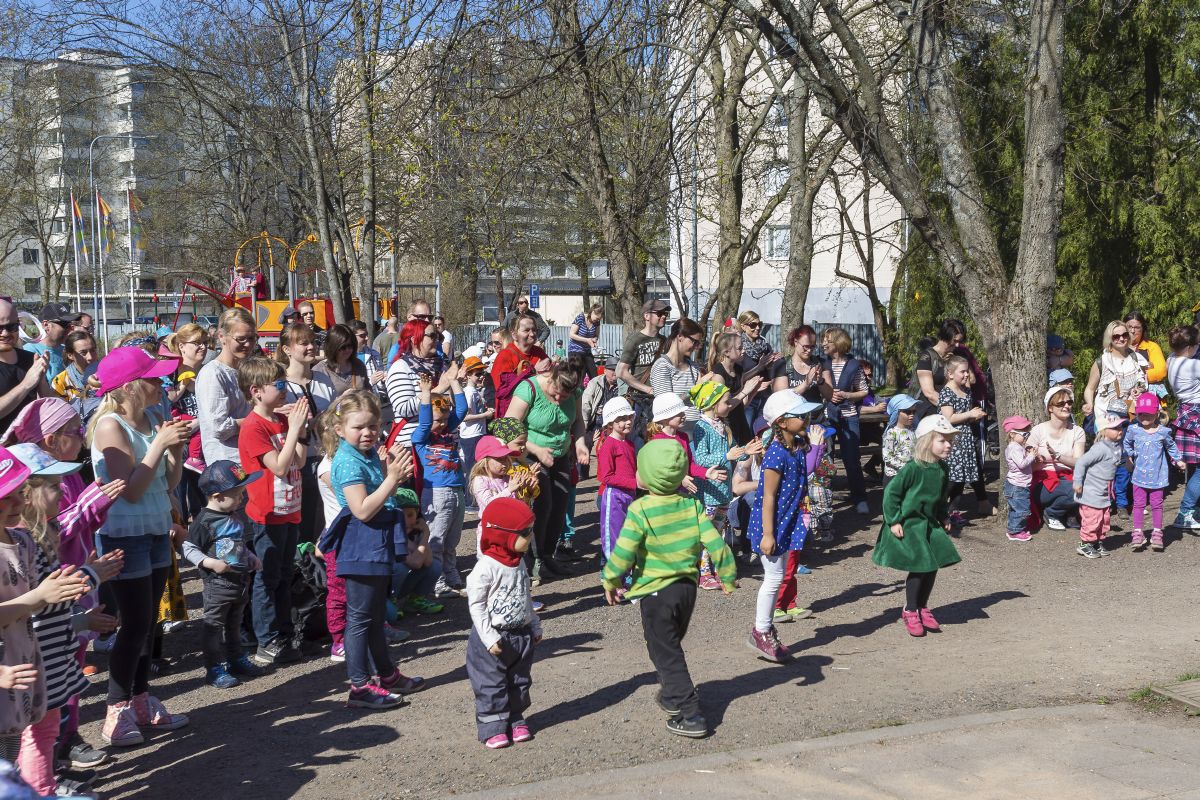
(1158, 365)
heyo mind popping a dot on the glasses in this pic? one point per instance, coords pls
(1120, 337)
(522, 303)
(308, 313)
(754, 325)
(1063, 404)
(244, 340)
(196, 342)
(662, 314)
(424, 317)
(280, 385)
(10, 327)
(695, 341)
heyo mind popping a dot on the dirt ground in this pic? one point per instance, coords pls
(1025, 625)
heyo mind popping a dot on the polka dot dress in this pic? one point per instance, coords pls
(790, 531)
(962, 463)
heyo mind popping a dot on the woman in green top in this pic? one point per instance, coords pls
(916, 519)
(550, 404)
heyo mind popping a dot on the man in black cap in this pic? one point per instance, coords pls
(56, 319)
(637, 356)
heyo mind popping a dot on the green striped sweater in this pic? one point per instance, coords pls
(661, 542)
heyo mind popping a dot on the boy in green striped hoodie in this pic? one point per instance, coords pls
(660, 542)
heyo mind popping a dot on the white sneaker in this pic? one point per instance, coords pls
(1055, 524)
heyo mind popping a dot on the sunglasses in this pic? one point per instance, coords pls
(661, 313)
(280, 385)
(423, 317)
(1063, 404)
(1120, 337)
(244, 340)
(10, 327)
(754, 325)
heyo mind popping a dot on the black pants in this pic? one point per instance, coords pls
(364, 639)
(978, 486)
(312, 511)
(500, 683)
(137, 605)
(550, 507)
(225, 600)
(665, 618)
(191, 499)
(917, 588)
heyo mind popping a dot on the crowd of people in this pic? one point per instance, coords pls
(366, 458)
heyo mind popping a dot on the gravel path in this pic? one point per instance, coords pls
(1025, 625)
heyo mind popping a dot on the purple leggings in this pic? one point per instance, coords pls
(613, 505)
(1139, 507)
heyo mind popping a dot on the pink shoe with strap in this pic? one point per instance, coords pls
(927, 620)
(151, 713)
(521, 732)
(500, 740)
(912, 621)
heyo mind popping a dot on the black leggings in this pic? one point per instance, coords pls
(917, 588)
(978, 486)
(550, 507)
(137, 605)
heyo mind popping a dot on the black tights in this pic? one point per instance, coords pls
(977, 486)
(917, 588)
(137, 604)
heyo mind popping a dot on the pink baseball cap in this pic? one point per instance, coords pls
(39, 419)
(1147, 403)
(13, 473)
(127, 364)
(491, 447)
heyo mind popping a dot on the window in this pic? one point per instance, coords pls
(33, 285)
(148, 284)
(779, 242)
(490, 314)
(558, 270)
(30, 256)
(58, 225)
(774, 178)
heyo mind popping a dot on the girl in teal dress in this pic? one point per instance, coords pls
(916, 520)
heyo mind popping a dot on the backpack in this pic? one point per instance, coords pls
(509, 381)
(310, 585)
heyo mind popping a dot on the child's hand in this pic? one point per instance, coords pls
(179, 535)
(496, 649)
(218, 565)
(100, 622)
(172, 434)
(734, 453)
(18, 676)
(400, 463)
(108, 566)
(1078, 489)
(298, 417)
(62, 585)
(816, 435)
(689, 485)
(113, 489)
(897, 530)
(767, 545)
(254, 563)
(1182, 465)
(611, 596)
(426, 385)
(755, 448)
(727, 591)
(716, 474)
(451, 374)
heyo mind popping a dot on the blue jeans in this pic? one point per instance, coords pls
(1121, 483)
(407, 582)
(848, 442)
(1018, 507)
(1058, 504)
(271, 595)
(365, 640)
(1191, 492)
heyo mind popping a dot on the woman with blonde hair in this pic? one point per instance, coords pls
(844, 374)
(221, 402)
(1117, 377)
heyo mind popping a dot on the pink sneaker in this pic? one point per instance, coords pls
(521, 732)
(1156, 542)
(1019, 536)
(120, 726)
(398, 683)
(767, 645)
(151, 713)
(912, 621)
(710, 582)
(927, 620)
(194, 464)
(1138, 540)
(497, 742)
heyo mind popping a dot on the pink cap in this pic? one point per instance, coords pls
(491, 447)
(12, 473)
(127, 364)
(1016, 423)
(39, 419)
(1147, 403)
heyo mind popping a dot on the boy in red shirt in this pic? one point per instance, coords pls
(277, 445)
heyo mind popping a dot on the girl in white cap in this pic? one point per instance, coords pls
(916, 521)
(670, 414)
(616, 469)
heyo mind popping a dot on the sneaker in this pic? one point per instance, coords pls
(796, 612)
(780, 615)
(78, 754)
(912, 623)
(803, 570)
(337, 653)
(194, 464)
(150, 713)
(1137, 541)
(394, 635)
(1100, 548)
(90, 670)
(927, 620)
(567, 552)
(692, 727)
(521, 732)
(422, 605)
(861, 507)
(471, 510)
(242, 665)
(159, 666)
(1019, 536)
(497, 742)
(372, 697)
(69, 787)
(1086, 550)
(120, 726)
(538, 605)
(443, 591)
(1188, 521)
(219, 677)
(104, 644)
(1055, 524)
(668, 708)
(767, 645)
(1156, 541)
(276, 653)
(399, 683)
(710, 582)
(1122, 512)
(958, 518)
(173, 625)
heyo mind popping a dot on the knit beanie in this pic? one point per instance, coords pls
(406, 498)
(706, 395)
(503, 520)
(506, 429)
(661, 465)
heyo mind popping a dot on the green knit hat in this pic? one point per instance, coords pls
(662, 465)
(506, 429)
(706, 395)
(407, 498)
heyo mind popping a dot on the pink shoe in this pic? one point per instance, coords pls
(521, 732)
(912, 621)
(120, 726)
(710, 582)
(1156, 542)
(927, 620)
(1019, 536)
(398, 683)
(151, 713)
(497, 742)
(1138, 540)
(767, 645)
(194, 464)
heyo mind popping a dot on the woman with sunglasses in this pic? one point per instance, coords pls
(221, 402)
(1057, 444)
(340, 364)
(22, 374)
(1117, 375)
(755, 348)
(674, 372)
(802, 373)
(417, 356)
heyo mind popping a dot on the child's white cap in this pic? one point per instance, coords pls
(667, 406)
(615, 409)
(935, 423)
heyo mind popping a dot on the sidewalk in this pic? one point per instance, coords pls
(1111, 752)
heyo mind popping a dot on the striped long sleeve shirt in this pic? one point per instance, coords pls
(56, 638)
(660, 543)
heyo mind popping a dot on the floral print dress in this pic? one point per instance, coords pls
(963, 462)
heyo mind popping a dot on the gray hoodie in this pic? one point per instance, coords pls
(1096, 470)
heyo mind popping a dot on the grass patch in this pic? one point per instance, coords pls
(888, 723)
(1188, 676)
(1147, 697)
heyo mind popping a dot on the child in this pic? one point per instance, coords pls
(745, 484)
(1062, 377)
(776, 522)
(491, 477)
(616, 470)
(660, 542)
(820, 491)
(367, 538)
(959, 408)
(714, 450)
(218, 544)
(898, 439)
(436, 443)
(271, 443)
(1019, 456)
(816, 453)
(474, 424)
(504, 627)
(914, 535)
(413, 578)
(1093, 477)
(669, 414)
(335, 586)
(1148, 445)
(512, 432)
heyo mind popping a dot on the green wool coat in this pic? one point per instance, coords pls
(916, 498)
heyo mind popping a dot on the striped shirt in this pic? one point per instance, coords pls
(403, 391)
(57, 639)
(661, 542)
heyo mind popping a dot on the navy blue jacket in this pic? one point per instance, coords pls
(366, 548)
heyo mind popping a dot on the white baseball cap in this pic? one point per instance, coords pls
(786, 401)
(615, 409)
(935, 423)
(667, 406)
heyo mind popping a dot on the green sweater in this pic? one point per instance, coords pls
(661, 542)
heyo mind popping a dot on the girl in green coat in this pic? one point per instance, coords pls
(916, 519)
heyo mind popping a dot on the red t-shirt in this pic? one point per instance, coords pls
(510, 359)
(271, 500)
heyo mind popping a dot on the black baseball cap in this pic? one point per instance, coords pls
(651, 306)
(59, 312)
(225, 476)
